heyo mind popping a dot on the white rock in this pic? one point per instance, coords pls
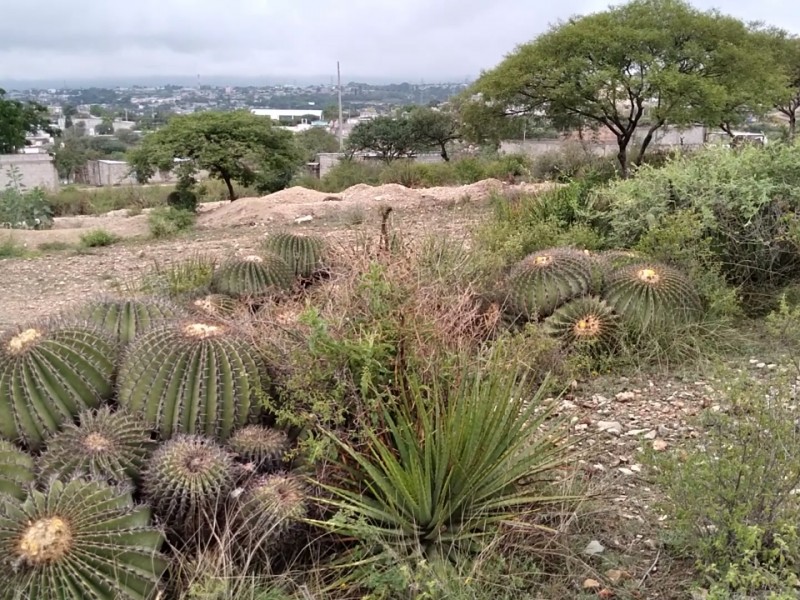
(612, 427)
(625, 396)
(593, 547)
(304, 219)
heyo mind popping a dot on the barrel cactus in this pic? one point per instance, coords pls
(49, 372)
(17, 471)
(262, 446)
(110, 446)
(187, 482)
(268, 510)
(192, 377)
(79, 540)
(253, 276)
(304, 253)
(544, 280)
(587, 322)
(215, 305)
(126, 318)
(652, 294)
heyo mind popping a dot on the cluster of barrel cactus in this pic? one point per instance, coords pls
(128, 428)
(593, 299)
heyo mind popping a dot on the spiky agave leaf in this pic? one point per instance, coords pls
(267, 510)
(544, 280)
(262, 446)
(585, 322)
(17, 471)
(253, 276)
(49, 372)
(79, 540)
(109, 446)
(304, 253)
(192, 377)
(187, 481)
(126, 318)
(651, 294)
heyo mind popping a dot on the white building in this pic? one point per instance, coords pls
(304, 115)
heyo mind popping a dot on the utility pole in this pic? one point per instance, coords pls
(341, 128)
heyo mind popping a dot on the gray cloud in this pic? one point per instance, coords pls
(430, 39)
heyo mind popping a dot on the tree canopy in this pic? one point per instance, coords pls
(785, 51)
(646, 63)
(315, 140)
(231, 146)
(389, 138)
(17, 120)
(433, 128)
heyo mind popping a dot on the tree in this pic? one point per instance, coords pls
(106, 127)
(388, 137)
(315, 140)
(785, 51)
(231, 146)
(659, 58)
(434, 128)
(17, 120)
(331, 112)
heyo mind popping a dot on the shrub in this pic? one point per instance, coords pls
(24, 209)
(422, 484)
(72, 200)
(167, 221)
(744, 205)
(10, 248)
(97, 238)
(730, 493)
(183, 199)
(572, 161)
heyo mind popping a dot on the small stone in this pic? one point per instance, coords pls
(659, 445)
(651, 435)
(771, 366)
(592, 548)
(625, 471)
(591, 584)
(612, 427)
(304, 219)
(761, 365)
(625, 396)
(650, 544)
(617, 575)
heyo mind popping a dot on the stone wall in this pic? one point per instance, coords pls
(329, 159)
(34, 170)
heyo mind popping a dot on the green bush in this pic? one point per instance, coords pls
(179, 278)
(572, 161)
(73, 200)
(730, 494)
(166, 221)
(10, 248)
(97, 238)
(744, 206)
(24, 209)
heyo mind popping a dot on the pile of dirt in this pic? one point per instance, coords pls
(298, 202)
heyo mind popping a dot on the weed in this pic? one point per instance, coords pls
(176, 279)
(167, 221)
(97, 238)
(10, 248)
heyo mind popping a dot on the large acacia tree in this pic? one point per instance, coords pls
(231, 146)
(646, 63)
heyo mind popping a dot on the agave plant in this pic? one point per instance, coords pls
(108, 446)
(126, 318)
(304, 253)
(187, 481)
(253, 276)
(192, 377)
(17, 471)
(453, 463)
(544, 280)
(652, 295)
(264, 447)
(587, 322)
(79, 540)
(49, 372)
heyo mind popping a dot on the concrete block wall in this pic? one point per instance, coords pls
(329, 159)
(34, 170)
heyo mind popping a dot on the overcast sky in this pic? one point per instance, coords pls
(434, 40)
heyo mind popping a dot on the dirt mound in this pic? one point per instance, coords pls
(393, 193)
